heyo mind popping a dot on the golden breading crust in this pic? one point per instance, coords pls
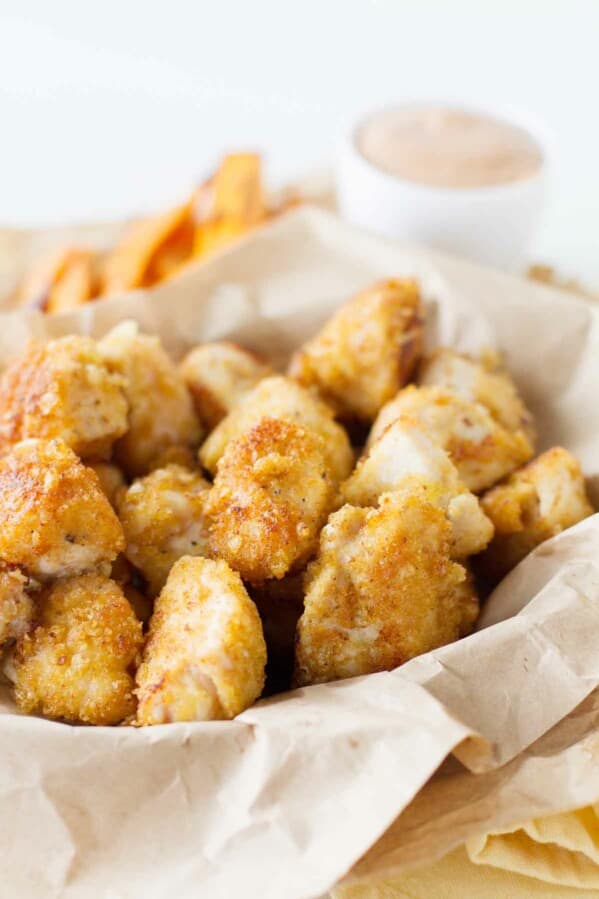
(479, 382)
(62, 389)
(536, 503)
(281, 398)
(163, 519)
(382, 590)
(112, 480)
(271, 496)
(367, 351)
(16, 605)
(75, 664)
(406, 459)
(56, 521)
(205, 655)
(219, 375)
(481, 449)
(176, 455)
(161, 413)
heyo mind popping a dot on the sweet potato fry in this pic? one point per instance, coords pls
(151, 250)
(36, 288)
(77, 284)
(238, 191)
(230, 203)
(223, 208)
(213, 235)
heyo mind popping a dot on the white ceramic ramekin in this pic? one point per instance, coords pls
(492, 225)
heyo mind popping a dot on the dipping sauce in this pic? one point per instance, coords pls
(448, 147)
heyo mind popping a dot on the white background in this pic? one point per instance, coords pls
(109, 108)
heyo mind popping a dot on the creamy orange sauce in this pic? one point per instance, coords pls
(448, 147)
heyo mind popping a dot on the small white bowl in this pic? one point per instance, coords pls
(493, 225)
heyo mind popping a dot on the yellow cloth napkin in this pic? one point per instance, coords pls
(556, 857)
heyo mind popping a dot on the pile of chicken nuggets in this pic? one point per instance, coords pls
(179, 539)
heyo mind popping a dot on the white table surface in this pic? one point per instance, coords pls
(112, 108)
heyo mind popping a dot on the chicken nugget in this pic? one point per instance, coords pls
(479, 382)
(271, 495)
(367, 351)
(17, 607)
(281, 398)
(62, 389)
(536, 503)
(163, 519)
(218, 376)
(205, 655)
(111, 478)
(161, 413)
(406, 458)
(56, 519)
(382, 590)
(75, 664)
(481, 449)
(176, 455)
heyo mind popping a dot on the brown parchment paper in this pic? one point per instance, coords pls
(558, 772)
(287, 798)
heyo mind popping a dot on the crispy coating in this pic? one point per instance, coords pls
(481, 449)
(163, 519)
(479, 382)
(56, 521)
(270, 498)
(406, 458)
(176, 455)
(205, 655)
(161, 413)
(17, 608)
(75, 664)
(280, 397)
(382, 590)
(63, 389)
(536, 503)
(219, 375)
(367, 351)
(111, 478)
